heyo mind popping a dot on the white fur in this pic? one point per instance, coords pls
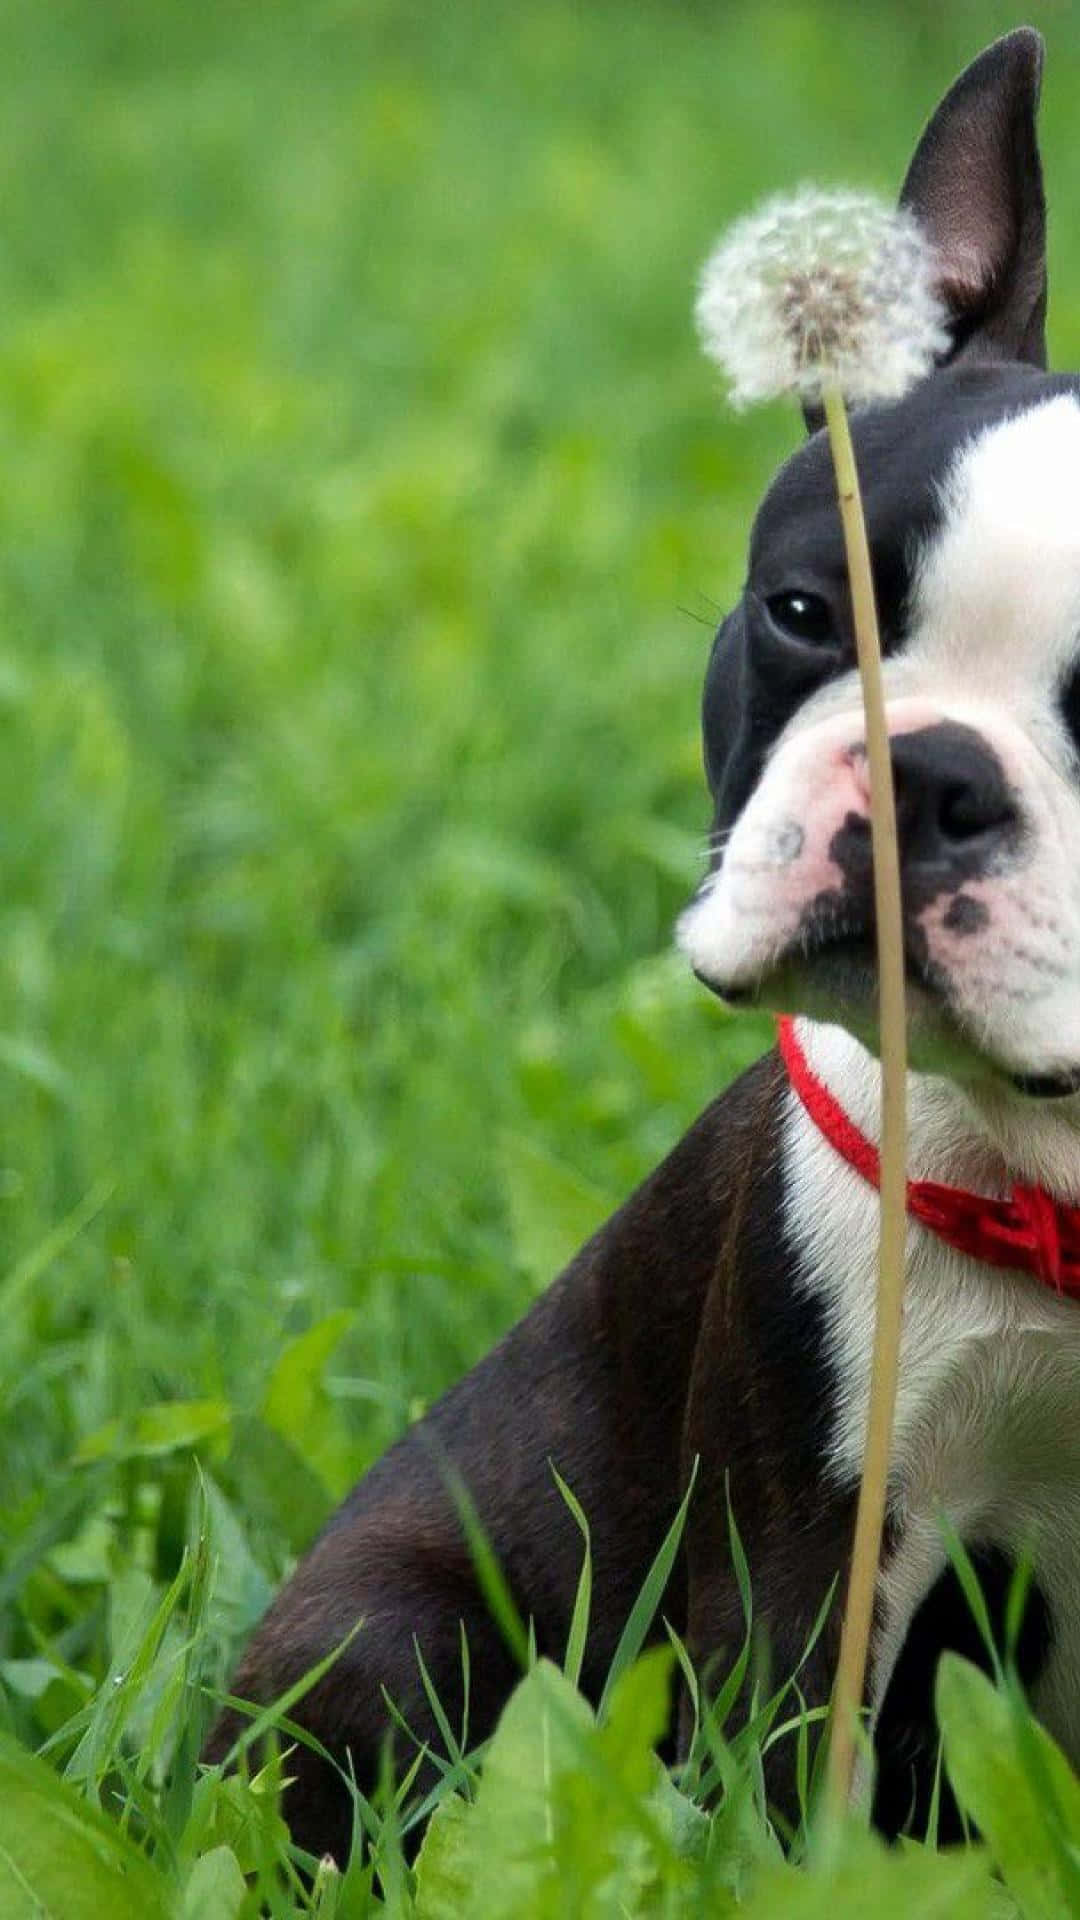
(987, 1427)
(997, 604)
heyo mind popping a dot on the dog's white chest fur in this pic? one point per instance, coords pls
(988, 1414)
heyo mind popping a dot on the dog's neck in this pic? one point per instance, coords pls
(977, 1138)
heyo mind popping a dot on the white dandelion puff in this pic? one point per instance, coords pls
(822, 288)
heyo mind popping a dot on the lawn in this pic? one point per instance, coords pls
(366, 509)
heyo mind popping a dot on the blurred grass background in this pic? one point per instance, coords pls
(366, 508)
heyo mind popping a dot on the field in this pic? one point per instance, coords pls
(366, 508)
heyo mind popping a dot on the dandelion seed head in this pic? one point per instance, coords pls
(822, 288)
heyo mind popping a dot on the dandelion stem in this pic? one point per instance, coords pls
(870, 1516)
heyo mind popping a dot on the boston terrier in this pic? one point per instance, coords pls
(724, 1314)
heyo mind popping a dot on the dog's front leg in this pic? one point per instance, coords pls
(793, 1565)
(758, 1415)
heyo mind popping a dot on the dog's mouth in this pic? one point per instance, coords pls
(829, 972)
(830, 962)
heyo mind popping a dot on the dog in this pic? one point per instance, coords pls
(724, 1315)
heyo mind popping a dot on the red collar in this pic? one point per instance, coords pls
(1030, 1230)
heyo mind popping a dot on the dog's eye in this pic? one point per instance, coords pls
(805, 616)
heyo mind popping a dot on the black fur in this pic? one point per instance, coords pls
(907, 1741)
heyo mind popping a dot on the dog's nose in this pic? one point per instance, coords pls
(953, 802)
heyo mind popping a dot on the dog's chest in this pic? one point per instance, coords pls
(993, 1443)
(988, 1413)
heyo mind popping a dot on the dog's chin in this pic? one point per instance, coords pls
(835, 982)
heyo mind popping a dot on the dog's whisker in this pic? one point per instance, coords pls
(699, 619)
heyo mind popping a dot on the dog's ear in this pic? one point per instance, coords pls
(975, 185)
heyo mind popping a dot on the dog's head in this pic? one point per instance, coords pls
(972, 495)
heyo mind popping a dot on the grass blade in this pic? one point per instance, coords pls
(647, 1605)
(579, 1619)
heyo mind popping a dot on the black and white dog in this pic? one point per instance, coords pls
(725, 1312)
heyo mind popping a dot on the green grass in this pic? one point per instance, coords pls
(365, 508)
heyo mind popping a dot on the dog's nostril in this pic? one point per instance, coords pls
(952, 797)
(965, 811)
